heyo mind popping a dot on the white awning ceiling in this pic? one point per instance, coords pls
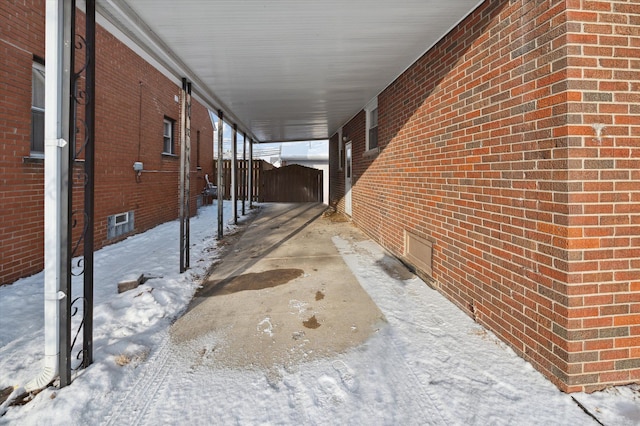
(286, 69)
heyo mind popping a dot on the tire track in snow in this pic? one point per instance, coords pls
(365, 273)
(423, 390)
(145, 390)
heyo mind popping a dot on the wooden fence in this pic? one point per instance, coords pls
(242, 179)
(291, 184)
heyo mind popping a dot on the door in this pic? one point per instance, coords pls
(348, 167)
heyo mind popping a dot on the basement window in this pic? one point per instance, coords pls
(119, 224)
(372, 125)
(122, 218)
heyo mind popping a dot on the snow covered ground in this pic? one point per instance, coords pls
(431, 364)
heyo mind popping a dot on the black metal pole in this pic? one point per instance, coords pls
(181, 183)
(219, 179)
(234, 174)
(188, 178)
(251, 174)
(89, 167)
(244, 171)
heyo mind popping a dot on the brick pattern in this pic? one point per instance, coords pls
(21, 184)
(336, 178)
(603, 327)
(512, 145)
(132, 99)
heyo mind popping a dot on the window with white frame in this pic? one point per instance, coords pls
(37, 110)
(168, 147)
(122, 218)
(198, 149)
(340, 148)
(372, 125)
(120, 224)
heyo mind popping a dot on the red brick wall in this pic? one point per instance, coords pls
(488, 150)
(132, 99)
(336, 192)
(21, 184)
(603, 326)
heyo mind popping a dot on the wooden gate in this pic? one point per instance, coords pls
(291, 184)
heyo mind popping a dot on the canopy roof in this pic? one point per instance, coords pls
(285, 69)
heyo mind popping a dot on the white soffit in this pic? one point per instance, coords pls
(286, 69)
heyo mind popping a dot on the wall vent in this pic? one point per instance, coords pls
(119, 224)
(418, 251)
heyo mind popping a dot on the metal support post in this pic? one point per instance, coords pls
(187, 184)
(185, 165)
(66, 180)
(219, 180)
(244, 171)
(82, 135)
(89, 167)
(234, 174)
(250, 173)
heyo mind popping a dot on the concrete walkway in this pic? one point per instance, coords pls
(304, 320)
(281, 294)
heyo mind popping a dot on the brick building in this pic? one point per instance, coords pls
(137, 119)
(504, 165)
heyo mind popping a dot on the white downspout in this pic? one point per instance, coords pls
(55, 150)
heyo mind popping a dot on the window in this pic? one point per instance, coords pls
(168, 136)
(198, 148)
(340, 149)
(373, 129)
(120, 224)
(122, 218)
(37, 110)
(372, 125)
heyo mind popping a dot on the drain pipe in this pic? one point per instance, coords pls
(56, 165)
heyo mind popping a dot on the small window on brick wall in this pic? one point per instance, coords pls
(168, 146)
(119, 224)
(198, 149)
(340, 149)
(37, 110)
(372, 125)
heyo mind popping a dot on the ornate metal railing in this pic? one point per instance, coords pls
(81, 181)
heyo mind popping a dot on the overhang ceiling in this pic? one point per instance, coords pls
(286, 69)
